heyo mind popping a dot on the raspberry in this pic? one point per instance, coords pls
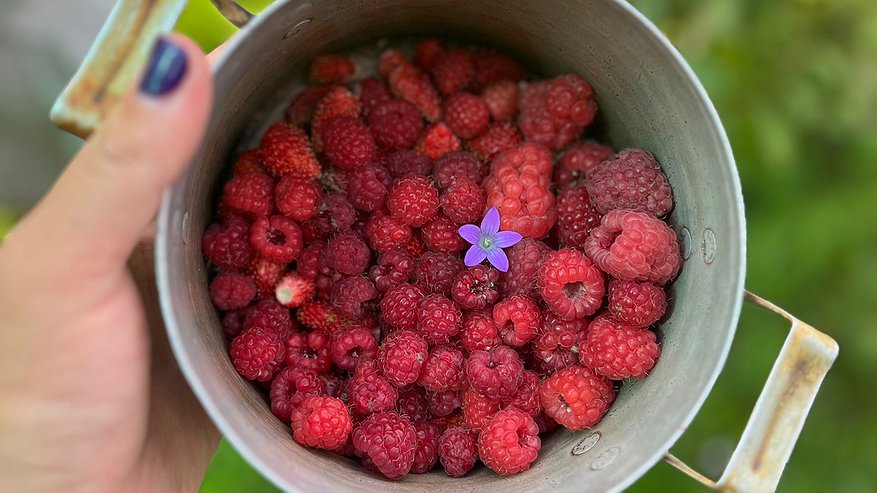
(413, 200)
(332, 69)
(576, 397)
(435, 272)
(347, 254)
(271, 316)
(453, 71)
(638, 304)
(286, 149)
(437, 140)
(498, 137)
(336, 213)
(227, 246)
(495, 373)
(412, 403)
(579, 162)
(336, 386)
(476, 287)
(438, 319)
(501, 99)
(458, 451)
(478, 409)
(230, 290)
(402, 163)
(257, 353)
(409, 83)
(367, 188)
(266, 274)
(350, 293)
(633, 245)
(310, 260)
(388, 441)
(348, 143)
(525, 258)
(631, 180)
(395, 124)
(401, 356)
(290, 387)
(399, 306)
(414, 246)
(617, 351)
(527, 397)
(301, 109)
(427, 53)
(440, 235)
(385, 233)
(570, 284)
(554, 112)
(492, 66)
(277, 238)
(454, 165)
(443, 369)
(509, 443)
(545, 423)
(557, 345)
(479, 332)
(339, 101)
(309, 351)
(297, 197)
(427, 452)
(233, 323)
(390, 60)
(372, 91)
(250, 192)
(463, 201)
(518, 186)
(369, 391)
(293, 290)
(321, 316)
(576, 216)
(393, 268)
(518, 318)
(466, 115)
(250, 161)
(321, 422)
(443, 403)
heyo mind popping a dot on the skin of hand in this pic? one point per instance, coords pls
(90, 396)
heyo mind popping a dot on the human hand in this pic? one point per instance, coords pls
(90, 396)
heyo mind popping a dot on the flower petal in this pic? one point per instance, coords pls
(505, 239)
(470, 233)
(490, 223)
(475, 256)
(498, 258)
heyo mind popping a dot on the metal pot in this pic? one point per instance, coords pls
(648, 97)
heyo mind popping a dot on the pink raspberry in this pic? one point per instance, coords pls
(479, 332)
(393, 268)
(463, 201)
(638, 304)
(351, 346)
(427, 452)
(309, 351)
(554, 112)
(495, 373)
(413, 200)
(227, 246)
(388, 441)
(443, 403)
(257, 353)
(576, 216)
(386, 233)
(476, 287)
(440, 235)
(576, 397)
(525, 258)
(347, 254)
(271, 316)
(458, 451)
(618, 351)
(466, 115)
(348, 143)
(527, 397)
(396, 124)
(367, 187)
(454, 165)
(579, 162)
(369, 391)
(277, 238)
(631, 180)
(350, 293)
(570, 284)
(250, 192)
(478, 409)
(509, 443)
(435, 272)
(558, 343)
(443, 369)
(400, 305)
(401, 356)
(403, 163)
(231, 290)
(297, 197)
(453, 70)
(498, 137)
(501, 99)
(518, 319)
(321, 422)
(412, 404)
(290, 387)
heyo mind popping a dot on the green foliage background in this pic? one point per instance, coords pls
(794, 82)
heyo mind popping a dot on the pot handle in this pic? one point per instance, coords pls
(776, 421)
(118, 54)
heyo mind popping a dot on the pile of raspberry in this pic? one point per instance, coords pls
(339, 273)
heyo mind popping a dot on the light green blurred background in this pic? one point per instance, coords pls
(795, 82)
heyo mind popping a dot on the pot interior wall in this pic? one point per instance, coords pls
(647, 99)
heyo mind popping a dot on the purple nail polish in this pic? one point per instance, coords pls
(165, 70)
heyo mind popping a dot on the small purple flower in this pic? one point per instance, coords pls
(488, 241)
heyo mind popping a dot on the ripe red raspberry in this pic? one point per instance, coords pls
(495, 373)
(454, 165)
(350, 294)
(576, 397)
(286, 149)
(413, 200)
(554, 112)
(277, 238)
(385, 233)
(249, 161)
(427, 452)
(367, 187)
(438, 319)
(257, 353)
(458, 451)
(399, 306)
(478, 409)
(618, 351)
(579, 162)
(351, 346)
(435, 272)
(369, 391)
(310, 260)
(518, 319)
(250, 192)
(631, 180)
(395, 124)
(463, 201)
(348, 143)
(309, 351)
(401, 356)
(347, 254)
(321, 316)
(476, 287)
(372, 91)
(266, 274)
(466, 115)
(321, 422)
(290, 387)
(635, 245)
(414, 246)
(576, 216)
(501, 99)
(401, 163)
(638, 304)
(453, 71)
(509, 443)
(443, 369)
(427, 53)
(393, 268)
(388, 441)
(336, 213)
(271, 316)
(498, 137)
(297, 197)
(233, 323)
(339, 101)
(443, 403)
(293, 290)
(231, 290)
(412, 403)
(440, 235)
(479, 332)
(525, 258)
(437, 140)
(300, 111)
(332, 69)
(492, 66)
(558, 343)
(227, 246)
(570, 284)
(409, 83)
(527, 397)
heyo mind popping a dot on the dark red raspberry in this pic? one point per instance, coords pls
(463, 201)
(367, 187)
(545, 423)
(525, 258)
(443, 369)
(336, 213)
(293, 290)
(438, 319)
(454, 165)
(257, 353)
(336, 385)
(348, 143)
(290, 387)
(227, 246)
(558, 343)
(321, 422)
(579, 162)
(453, 71)
(230, 290)
(409, 83)
(458, 450)
(440, 235)
(403, 163)
(501, 99)
(443, 403)
(554, 112)
(372, 91)
(321, 316)
(576, 216)
(427, 452)
(347, 254)
(478, 409)
(414, 246)
(233, 323)
(401, 356)
(309, 351)
(301, 110)
(527, 397)
(400, 305)
(271, 316)
(324, 284)
(350, 293)
(369, 391)
(412, 403)
(297, 197)
(393, 268)
(518, 319)
(496, 373)
(638, 304)
(351, 346)
(388, 441)
(618, 351)
(310, 260)
(449, 421)
(498, 137)
(576, 397)
(266, 274)
(332, 69)
(509, 443)
(492, 66)
(570, 284)
(250, 192)
(385, 233)
(635, 245)
(339, 101)
(395, 124)
(286, 149)
(476, 287)
(435, 272)
(277, 238)
(466, 115)
(413, 200)
(427, 53)
(437, 140)
(479, 332)
(631, 180)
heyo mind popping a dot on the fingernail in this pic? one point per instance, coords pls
(165, 70)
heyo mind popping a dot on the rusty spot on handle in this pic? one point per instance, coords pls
(142, 15)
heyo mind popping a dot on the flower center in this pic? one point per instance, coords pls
(486, 242)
